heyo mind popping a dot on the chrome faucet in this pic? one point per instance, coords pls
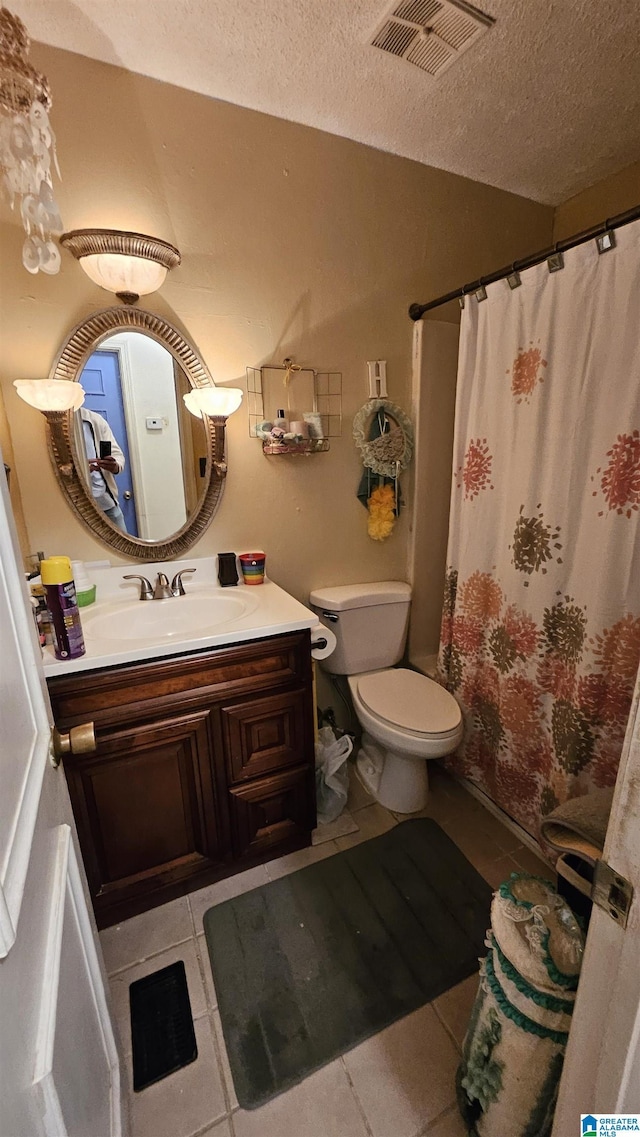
(163, 590)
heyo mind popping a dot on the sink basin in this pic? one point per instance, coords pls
(165, 619)
(121, 629)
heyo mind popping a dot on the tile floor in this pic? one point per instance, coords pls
(400, 1083)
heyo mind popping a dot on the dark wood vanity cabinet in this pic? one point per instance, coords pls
(204, 766)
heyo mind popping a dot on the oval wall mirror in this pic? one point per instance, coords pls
(139, 470)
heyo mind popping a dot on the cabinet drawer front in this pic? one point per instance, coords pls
(143, 807)
(271, 811)
(119, 694)
(266, 734)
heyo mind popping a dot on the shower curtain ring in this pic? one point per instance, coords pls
(605, 240)
(556, 261)
(514, 280)
(480, 292)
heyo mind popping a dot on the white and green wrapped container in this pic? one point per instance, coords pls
(516, 1040)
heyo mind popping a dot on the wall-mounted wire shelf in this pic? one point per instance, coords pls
(300, 391)
(305, 446)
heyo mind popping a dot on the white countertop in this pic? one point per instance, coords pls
(270, 612)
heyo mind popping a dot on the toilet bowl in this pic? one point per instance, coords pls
(407, 719)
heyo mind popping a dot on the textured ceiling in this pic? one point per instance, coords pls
(545, 104)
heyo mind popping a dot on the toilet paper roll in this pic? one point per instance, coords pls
(325, 640)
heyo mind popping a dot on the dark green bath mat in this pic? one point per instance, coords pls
(310, 965)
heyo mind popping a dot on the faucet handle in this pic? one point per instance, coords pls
(177, 587)
(146, 588)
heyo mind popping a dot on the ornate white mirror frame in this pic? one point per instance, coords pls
(83, 340)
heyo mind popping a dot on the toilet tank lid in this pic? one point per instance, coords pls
(345, 596)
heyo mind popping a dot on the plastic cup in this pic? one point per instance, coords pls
(252, 567)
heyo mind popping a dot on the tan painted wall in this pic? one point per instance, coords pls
(434, 401)
(293, 242)
(605, 199)
(6, 446)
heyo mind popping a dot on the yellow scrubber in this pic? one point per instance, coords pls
(382, 518)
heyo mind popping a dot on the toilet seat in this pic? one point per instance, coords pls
(410, 702)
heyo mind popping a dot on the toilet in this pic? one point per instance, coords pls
(406, 717)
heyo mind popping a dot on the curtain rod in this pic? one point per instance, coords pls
(416, 311)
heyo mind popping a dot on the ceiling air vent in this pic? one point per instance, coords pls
(430, 33)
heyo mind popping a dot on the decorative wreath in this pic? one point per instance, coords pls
(392, 450)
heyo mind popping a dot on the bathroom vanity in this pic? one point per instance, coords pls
(204, 760)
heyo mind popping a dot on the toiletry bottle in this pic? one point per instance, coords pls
(39, 630)
(42, 614)
(43, 620)
(281, 420)
(56, 575)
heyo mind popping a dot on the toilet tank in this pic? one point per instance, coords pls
(370, 622)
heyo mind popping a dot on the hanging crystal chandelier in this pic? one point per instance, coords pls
(27, 146)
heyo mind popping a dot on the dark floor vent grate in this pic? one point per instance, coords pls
(162, 1034)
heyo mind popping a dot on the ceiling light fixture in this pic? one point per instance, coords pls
(130, 264)
(27, 146)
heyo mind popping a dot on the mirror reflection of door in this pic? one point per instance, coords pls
(100, 379)
(164, 444)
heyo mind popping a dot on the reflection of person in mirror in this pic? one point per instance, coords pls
(103, 465)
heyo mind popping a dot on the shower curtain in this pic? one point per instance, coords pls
(540, 636)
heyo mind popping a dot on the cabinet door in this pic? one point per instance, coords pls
(146, 808)
(279, 810)
(265, 734)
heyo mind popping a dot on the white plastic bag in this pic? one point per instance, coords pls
(332, 774)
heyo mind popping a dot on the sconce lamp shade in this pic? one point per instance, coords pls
(50, 394)
(129, 264)
(218, 402)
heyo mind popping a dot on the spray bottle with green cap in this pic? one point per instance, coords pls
(58, 581)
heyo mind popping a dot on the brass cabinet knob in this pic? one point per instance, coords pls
(78, 740)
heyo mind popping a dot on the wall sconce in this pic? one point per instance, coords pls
(217, 403)
(54, 398)
(130, 264)
(51, 396)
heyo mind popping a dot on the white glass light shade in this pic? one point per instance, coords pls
(218, 402)
(50, 394)
(129, 264)
(118, 272)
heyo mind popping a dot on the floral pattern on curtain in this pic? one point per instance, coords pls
(540, 637)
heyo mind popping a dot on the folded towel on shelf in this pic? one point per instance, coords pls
(579, 826)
